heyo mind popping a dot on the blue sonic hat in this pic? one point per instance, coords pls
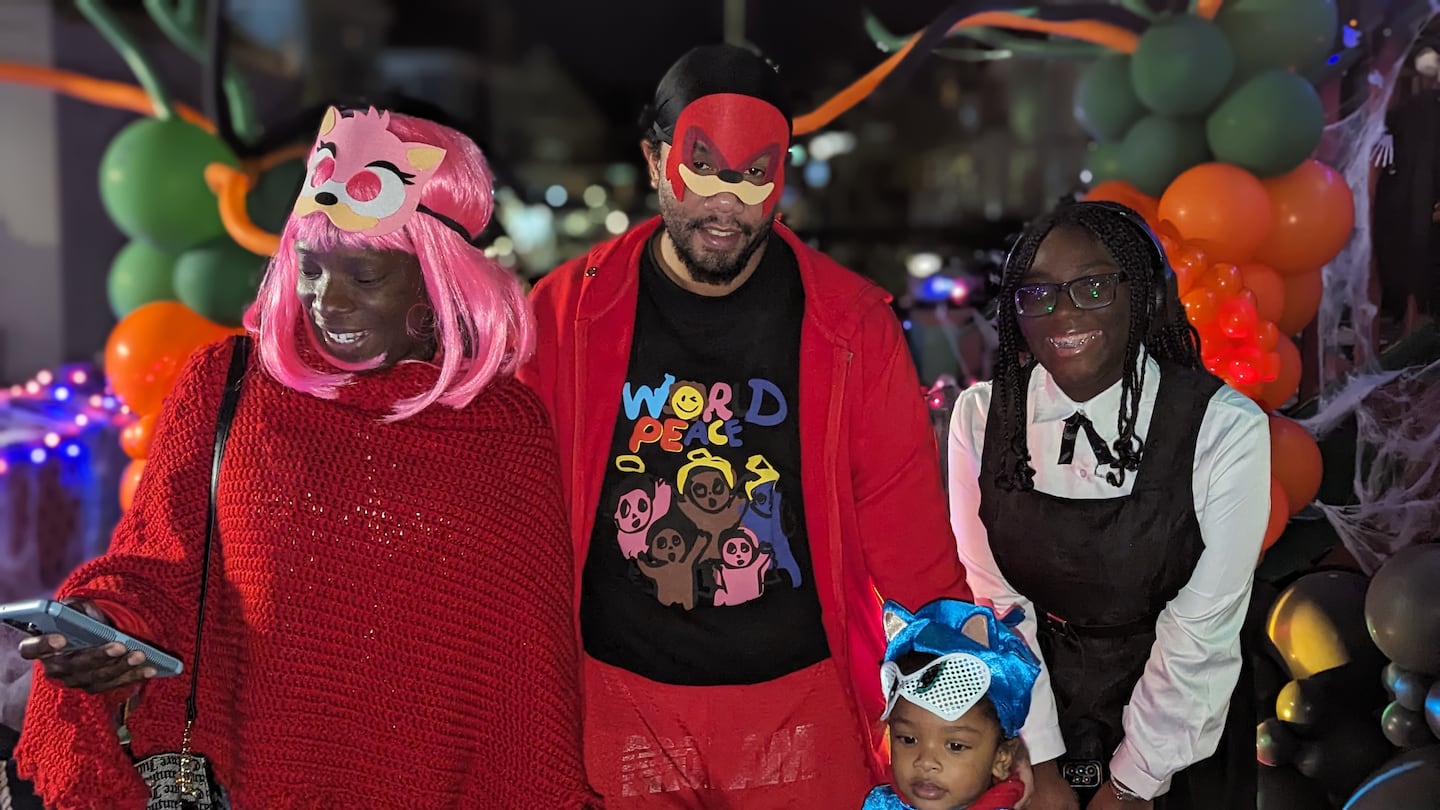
(979, 655)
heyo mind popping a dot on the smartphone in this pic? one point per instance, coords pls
(40, 617)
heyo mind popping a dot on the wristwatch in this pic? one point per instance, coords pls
(1123, 793)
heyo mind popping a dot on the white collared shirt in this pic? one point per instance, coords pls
(1177, 709)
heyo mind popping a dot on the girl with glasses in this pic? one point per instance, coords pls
(1118, 493)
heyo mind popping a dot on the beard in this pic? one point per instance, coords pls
(716, 269)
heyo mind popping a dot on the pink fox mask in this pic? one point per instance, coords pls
(362, 176)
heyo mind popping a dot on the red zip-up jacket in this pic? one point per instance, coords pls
(875, 509)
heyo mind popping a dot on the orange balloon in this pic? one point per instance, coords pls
(136, 437)
(148, 348)
(1225, 280)
(129, 480)
(1303, 294)
(1294, 462)
(1276, 393)
(1314, 217)
(1220, 207)
(1279, 515)
(1266, 336)
(1200, 306)
(1268, 287)
(1127, 195)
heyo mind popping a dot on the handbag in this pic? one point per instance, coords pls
(183, 780)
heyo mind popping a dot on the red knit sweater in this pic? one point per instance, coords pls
(389, 621)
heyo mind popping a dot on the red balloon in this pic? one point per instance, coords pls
(1269, 366)
(1220, 207)
(1294, 461)
(148, 348)
(1238, 319)
(1314, 217)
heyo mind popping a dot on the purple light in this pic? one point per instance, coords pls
(32, 387)
(82, 420)
(109, 403)
(4, 466)
(61, 393)
(96, 400)
(38, 455)
(45, 378)
(79, 377)
(72, 450)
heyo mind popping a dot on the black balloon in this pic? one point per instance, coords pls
(1348, 750)
(1302, 704)
(1411, 781)
(1287, 789)
(1432, 709)
(1402, 609)
(1318, 624)
(1276, 743)
(1406, 687)
(1405, 728)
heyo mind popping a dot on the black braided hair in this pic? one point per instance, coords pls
(1165, 334)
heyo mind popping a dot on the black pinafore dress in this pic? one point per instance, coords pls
(1099, 572)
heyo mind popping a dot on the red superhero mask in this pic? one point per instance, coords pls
(727, 142)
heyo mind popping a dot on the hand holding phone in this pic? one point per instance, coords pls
(77, 646)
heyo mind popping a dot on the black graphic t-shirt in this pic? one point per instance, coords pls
(699, 567)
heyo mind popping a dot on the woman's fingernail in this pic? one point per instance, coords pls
(149, 673)
(115, 650)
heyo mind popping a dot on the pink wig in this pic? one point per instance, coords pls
(483, 323)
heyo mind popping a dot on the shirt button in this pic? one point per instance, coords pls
(589, 272)
(1083, 473)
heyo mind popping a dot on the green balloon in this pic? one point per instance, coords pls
(139, 275)
(152, 182)
(218, 280)
(1157, 149)
(1294, 35)
(1103, 162)
(1269, 125)
(1181, 65)
(1105, 101)
(270, 201)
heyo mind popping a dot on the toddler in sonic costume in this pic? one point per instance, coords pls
(957, 685)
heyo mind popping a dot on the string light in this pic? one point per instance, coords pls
(72, 402)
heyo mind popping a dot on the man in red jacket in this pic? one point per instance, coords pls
(748, 462)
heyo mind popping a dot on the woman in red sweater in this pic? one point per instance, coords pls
(388, 622)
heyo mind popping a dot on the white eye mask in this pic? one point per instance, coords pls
(947, 687)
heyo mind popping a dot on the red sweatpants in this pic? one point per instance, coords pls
(785, 744)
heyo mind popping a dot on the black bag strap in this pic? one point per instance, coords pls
(239, 361)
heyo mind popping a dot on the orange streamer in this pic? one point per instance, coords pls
(230, 186)
(838, 104)
(1207, 9)
(1099, 33)
(103, 92)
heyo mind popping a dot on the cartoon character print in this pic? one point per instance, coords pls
(763, 517)
(669, 560)
(636, 503)
(741, 577)
(362, 176)
(707, 496)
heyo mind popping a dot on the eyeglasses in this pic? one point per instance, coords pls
(1090, 292)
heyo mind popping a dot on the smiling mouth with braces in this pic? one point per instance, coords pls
(1074, 341)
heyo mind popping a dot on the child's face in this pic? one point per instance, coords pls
(945, 766)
